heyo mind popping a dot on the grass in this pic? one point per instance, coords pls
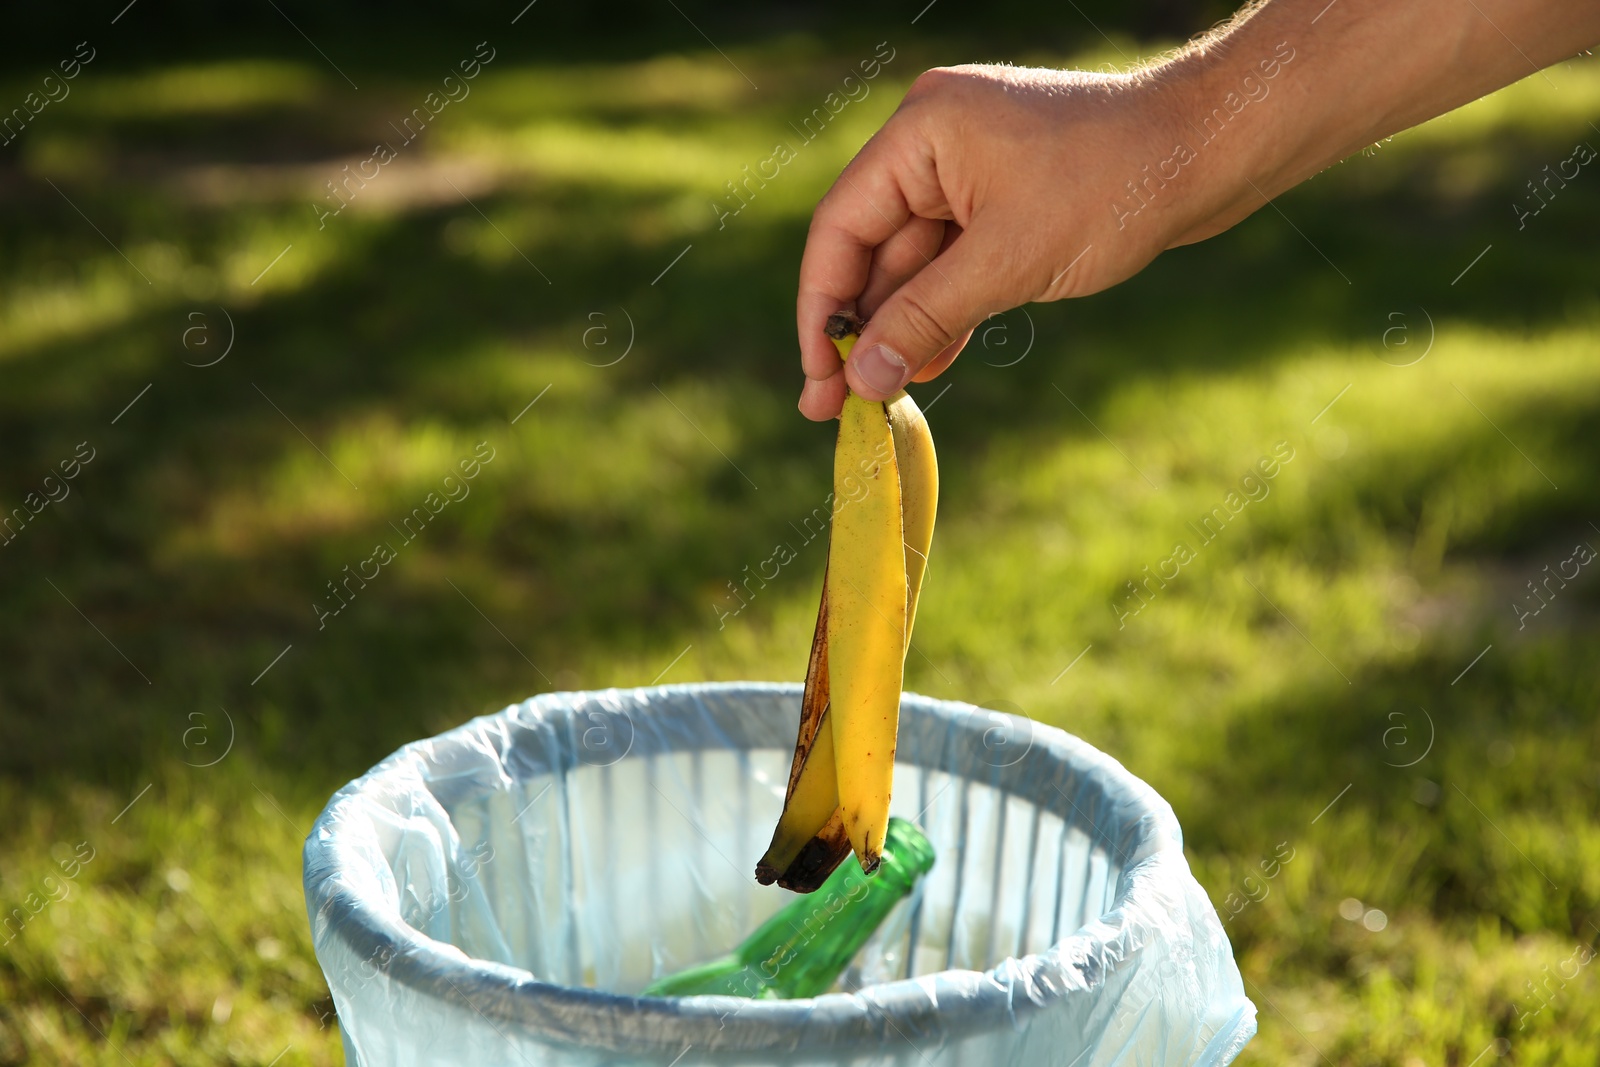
(1337, 675)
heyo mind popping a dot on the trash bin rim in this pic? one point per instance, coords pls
(515, 996)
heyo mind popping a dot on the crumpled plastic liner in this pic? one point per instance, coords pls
(499, 894)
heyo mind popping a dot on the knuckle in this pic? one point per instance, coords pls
(933, 81)
(829, 212)
(822, 215)
(945, 80)
(818, 215)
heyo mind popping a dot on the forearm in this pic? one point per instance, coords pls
(993, 186)
(1360, 71)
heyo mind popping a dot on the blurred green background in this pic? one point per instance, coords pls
(1343, 675)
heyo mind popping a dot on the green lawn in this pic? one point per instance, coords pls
(1436, 442)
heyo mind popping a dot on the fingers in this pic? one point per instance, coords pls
(863, 210)
(823, 400)
(927, 319)
(894, 261)
(911, 248)
(936, 366)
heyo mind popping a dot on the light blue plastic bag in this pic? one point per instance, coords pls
(499, 894)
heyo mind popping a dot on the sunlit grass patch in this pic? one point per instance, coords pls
(228, 87)
(647, 459)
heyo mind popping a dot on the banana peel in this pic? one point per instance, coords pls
(841, 777)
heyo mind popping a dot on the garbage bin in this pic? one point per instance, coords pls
(499, 894)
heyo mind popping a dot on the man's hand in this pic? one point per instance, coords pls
(994, 186)
(989, 187)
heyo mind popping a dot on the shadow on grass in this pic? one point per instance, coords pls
(378, 331)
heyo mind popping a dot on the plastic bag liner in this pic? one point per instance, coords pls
(499, 894)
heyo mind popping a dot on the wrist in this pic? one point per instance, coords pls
(1230, 111)
(1298, 85)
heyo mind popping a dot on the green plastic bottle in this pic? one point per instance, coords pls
(802, 950)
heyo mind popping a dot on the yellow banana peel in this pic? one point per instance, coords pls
(842, 775)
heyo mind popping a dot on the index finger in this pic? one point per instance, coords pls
(864, 208)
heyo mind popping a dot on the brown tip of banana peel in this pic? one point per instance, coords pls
(806, 873)
(842, 324)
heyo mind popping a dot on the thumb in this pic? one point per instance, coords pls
(936, 308)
